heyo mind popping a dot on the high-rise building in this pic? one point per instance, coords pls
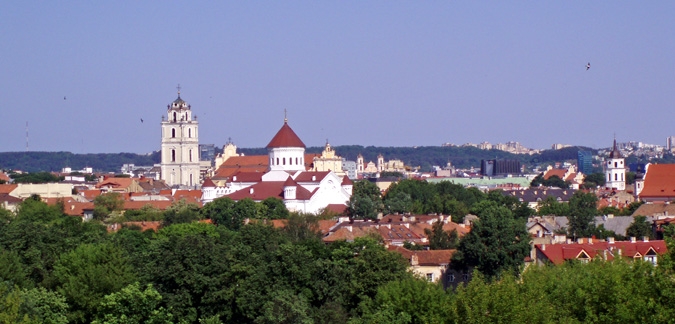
(585, 162)
(180, 145)
(670, 143)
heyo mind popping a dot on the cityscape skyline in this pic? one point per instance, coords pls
(96, 77)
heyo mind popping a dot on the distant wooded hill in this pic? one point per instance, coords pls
(423, 156)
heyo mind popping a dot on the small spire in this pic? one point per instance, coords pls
(285, 117)
(178, 88)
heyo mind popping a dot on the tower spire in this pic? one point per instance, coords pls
(178, 88)
(285, 117)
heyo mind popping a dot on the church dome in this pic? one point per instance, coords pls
(285, 137)
(179, 103)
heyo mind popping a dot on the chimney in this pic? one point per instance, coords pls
(234, 178)
(610, 240)
(590, 240)
(250, 191)
(313, 178)
(543, 247)
(632, 239)
(645, 239)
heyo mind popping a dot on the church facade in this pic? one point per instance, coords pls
(287, 176)
(180, 145)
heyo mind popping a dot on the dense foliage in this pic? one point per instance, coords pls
(56, 161)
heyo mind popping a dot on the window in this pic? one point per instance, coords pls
(277, 161)
(174, 116)
(190, 180)
(190, 158)
(466, 277)
(283, 161)
(173, 155)
(296, 161)
(451, 277)
(173, 132)
(622, 177)
(616, 176)
(189, 132)
(430, 277)
(616, 165)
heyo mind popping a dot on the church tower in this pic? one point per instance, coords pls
(180, 145)
(616, 170)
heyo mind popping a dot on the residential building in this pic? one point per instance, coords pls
(658, 184)
(585, 250)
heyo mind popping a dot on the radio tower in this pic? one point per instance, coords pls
(26, 136)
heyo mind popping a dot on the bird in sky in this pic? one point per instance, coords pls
(64, 97)
(588, 66)
(141, 120)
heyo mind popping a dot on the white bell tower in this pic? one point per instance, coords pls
(616, 170)
(180, 145)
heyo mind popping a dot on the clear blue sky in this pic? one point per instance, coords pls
(384, 73)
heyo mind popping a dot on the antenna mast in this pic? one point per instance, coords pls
(26, 136)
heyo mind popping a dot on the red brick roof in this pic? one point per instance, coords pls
(90, 194)
(4, 176)
(286, 137)
(659, 181)
(346, 181)
(71, 207)
(246, 177)
(340, 209)
(119, 183)
(555, 172)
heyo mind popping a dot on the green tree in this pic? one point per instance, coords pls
(413, 299)
(551, 206)
(132, 305)
(497, 242)
(594, 180)
(181, 212)
(583, 209)
(398, 202)
(440, 239)
(366, 200)
(221, 212)
(88, 273)
(276, 209)
(246, 209)
(45, 306)
(107, 203)
(640, 228)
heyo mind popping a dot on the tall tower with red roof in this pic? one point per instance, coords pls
(286, 151)
(180, 145)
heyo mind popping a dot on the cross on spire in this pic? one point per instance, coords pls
(178, 88)
(285, 117)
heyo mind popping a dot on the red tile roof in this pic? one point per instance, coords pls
(118, 183)
(425, 257)
(263, 190)
(559, 253)
(346, 181)
(286, 137)
(659, 181)
(340, 209)
(9, 199)
(71, 207)
(555, 172)
(208, 183)
(7, 188)
(246, 177)
(311, 176)
(234, 164)
(4, 176)
(90, 194)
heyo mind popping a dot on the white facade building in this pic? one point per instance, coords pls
(180, 145)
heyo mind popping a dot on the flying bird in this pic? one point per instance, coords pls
(64, 97)
(141, 120)
(588, 66)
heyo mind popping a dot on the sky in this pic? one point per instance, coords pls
(82, 74)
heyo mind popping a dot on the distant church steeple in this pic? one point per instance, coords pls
(180, 145)
(615, 171)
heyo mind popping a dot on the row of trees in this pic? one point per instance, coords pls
(57, 269)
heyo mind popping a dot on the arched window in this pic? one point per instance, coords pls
(190, 179)
(173, 155)
(277, 161)
(174, 116)
(189, 132)
(284, 161)
(616, 177)
(190, 158)
(173, 132)
(616, 164)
